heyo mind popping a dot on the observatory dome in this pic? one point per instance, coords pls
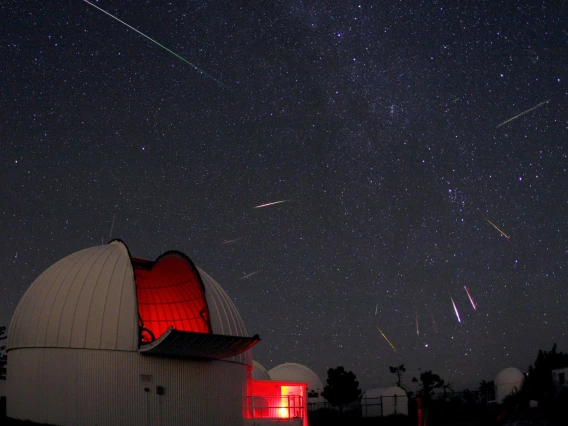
(259, 372)
(95, 298)
(508, 381)
(123, 340)
(297, 373)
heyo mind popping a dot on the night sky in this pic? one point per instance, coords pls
(379, 122)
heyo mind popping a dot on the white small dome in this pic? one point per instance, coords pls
(297, 373)
(508, 381)
(508, 376)
(259, 372)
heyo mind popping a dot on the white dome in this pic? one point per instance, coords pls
(297, 373)
(508, 381)
(508, 376)
(225, 318)
(88, 300)
(259, 372)
(382, 402)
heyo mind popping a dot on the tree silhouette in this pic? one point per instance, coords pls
(342, 387)
(538, 383)
(487, 390)
(399, 371)
(447, 386)
(430, 381)
(468, 396)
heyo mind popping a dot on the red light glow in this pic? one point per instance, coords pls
(277, 400)
(170, 293)
(290, 401)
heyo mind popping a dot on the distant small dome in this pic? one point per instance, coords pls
(297, 373)
(509, 376)
(259, 372)
(507, 382)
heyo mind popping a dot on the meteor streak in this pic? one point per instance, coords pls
(417, 330)
(495, 226)
(376, 308)
(386, 338)
(470, 298)
(112, 226)
(456, 309)
(270, 204)
(249, 275)
(162, 46)
(523, 113)
(231, 241)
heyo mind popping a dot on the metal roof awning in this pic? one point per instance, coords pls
(198, 345)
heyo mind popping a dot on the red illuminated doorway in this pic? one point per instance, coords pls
(277, 400)
(170, 293)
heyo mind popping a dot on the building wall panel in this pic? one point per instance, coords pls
(99, 387)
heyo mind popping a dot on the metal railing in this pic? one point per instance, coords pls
(367, 407)
(273, 407)
(383, 406)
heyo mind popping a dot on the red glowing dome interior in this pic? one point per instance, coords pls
(170, 293)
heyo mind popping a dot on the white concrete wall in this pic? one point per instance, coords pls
(87, 387)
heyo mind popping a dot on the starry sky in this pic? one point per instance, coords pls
(378, 122)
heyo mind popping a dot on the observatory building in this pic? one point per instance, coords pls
(507, 382)
(104, 338)
(300, 373)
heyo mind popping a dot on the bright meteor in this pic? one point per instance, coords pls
(495, 226)
(162, 46)
(470, 298)
(270, 204)
(386, 338)
(456, 309)
(523, 113)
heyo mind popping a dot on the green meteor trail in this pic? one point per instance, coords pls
(523, 113)
(162, 46)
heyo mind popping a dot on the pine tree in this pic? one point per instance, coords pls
(342, 387)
